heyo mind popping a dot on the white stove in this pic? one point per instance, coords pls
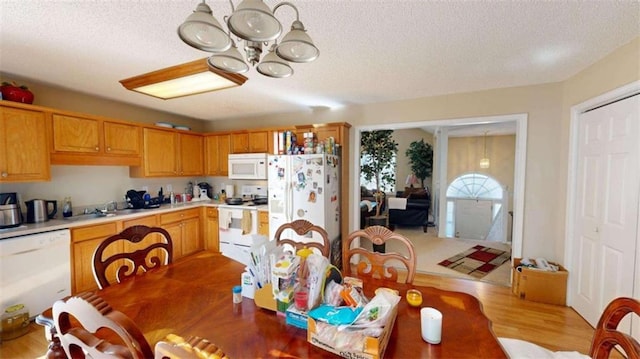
(239, 224)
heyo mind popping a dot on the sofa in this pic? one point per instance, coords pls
(416, 203)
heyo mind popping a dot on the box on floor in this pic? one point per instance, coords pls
(538, 285)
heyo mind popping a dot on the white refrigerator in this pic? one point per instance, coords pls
(305, 187)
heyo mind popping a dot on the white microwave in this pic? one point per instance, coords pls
(248, 166)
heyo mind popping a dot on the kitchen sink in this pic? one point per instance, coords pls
(128, 211)
(84, 217)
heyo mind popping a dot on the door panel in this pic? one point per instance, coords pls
(472, 218)
(606, 206)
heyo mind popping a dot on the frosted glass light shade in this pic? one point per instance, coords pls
(203, 32)
(229, 61)
(254, 21)
(297, 46)
(485, 163)
(273, 66)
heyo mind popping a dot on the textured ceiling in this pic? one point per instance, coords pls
(370, 51)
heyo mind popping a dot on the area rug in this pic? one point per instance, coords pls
(477, 261)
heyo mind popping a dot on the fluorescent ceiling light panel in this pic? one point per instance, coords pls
(183, 80)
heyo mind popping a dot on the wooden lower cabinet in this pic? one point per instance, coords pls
(263, 223)
(84, 241)
(184, 228)
(211, 234)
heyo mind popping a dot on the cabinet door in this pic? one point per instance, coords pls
(24, 154)
(191, 155)
(212, 161)
(224, 146)
(211, 237)
(240, 143)
(175, 231)
(76, 134)
(160, 150)
(121, 139)
(85, 241)
(217, 154)
(192, 241)
(259, 141)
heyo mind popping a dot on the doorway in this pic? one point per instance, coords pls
(441, 128)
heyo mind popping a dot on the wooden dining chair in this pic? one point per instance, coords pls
(175, 347)
(605, 337)
(380, 265)
(87, 326)
(144, 248)
(302, 227)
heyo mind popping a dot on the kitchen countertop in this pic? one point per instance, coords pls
(57, 224)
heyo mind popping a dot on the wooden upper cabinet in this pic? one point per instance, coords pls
(75, 134)
(121, 139)
(250, 142)
(259, 141)
(191, 155)
(94, 141)
(24, 154)
(240, 143)
(217, 149)
(169, 154)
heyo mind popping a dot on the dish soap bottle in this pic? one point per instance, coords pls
(67, 210)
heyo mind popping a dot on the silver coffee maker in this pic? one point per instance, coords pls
(10, 211)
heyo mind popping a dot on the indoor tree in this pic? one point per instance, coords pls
(377, 161)
(420, 156)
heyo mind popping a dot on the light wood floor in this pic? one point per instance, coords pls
(554, 327)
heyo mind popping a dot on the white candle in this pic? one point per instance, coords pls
(431, 325)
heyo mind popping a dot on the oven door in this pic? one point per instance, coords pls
(237, 233)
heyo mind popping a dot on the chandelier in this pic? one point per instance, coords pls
(255, 24)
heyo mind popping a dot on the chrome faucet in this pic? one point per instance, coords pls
(111, 204)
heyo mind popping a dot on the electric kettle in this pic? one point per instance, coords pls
(38, 210)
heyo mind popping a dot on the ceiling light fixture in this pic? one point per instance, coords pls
(182, 80)
(253, 22)
(484, 162)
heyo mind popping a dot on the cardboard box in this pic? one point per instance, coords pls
(297, 318)
(540, 286)
(373, 348)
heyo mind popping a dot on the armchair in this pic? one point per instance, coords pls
(412, 208)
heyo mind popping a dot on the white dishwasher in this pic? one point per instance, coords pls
(35, 270)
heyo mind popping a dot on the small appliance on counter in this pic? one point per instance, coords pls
(10, 211)
(41, 210)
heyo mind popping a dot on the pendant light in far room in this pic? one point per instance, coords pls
(485, 162)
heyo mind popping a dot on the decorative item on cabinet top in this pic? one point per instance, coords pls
(10, 91)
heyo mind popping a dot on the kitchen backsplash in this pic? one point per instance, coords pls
(93, 185)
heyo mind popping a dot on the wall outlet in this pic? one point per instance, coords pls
(169, 188)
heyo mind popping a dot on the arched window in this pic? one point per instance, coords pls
(487, 193)
(474, 186)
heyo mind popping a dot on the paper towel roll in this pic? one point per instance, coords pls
(229, 189)
(431, 325)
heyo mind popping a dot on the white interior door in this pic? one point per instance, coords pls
(472, 218)
(604, 243)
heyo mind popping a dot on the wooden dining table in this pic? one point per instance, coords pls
(193, 297)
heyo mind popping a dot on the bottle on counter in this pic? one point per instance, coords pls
(67, 210)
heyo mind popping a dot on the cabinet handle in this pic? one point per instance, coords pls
(108, 149)
(5, 175)
(97, 148)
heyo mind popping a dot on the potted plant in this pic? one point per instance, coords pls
(420, 156)
(377, 155)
